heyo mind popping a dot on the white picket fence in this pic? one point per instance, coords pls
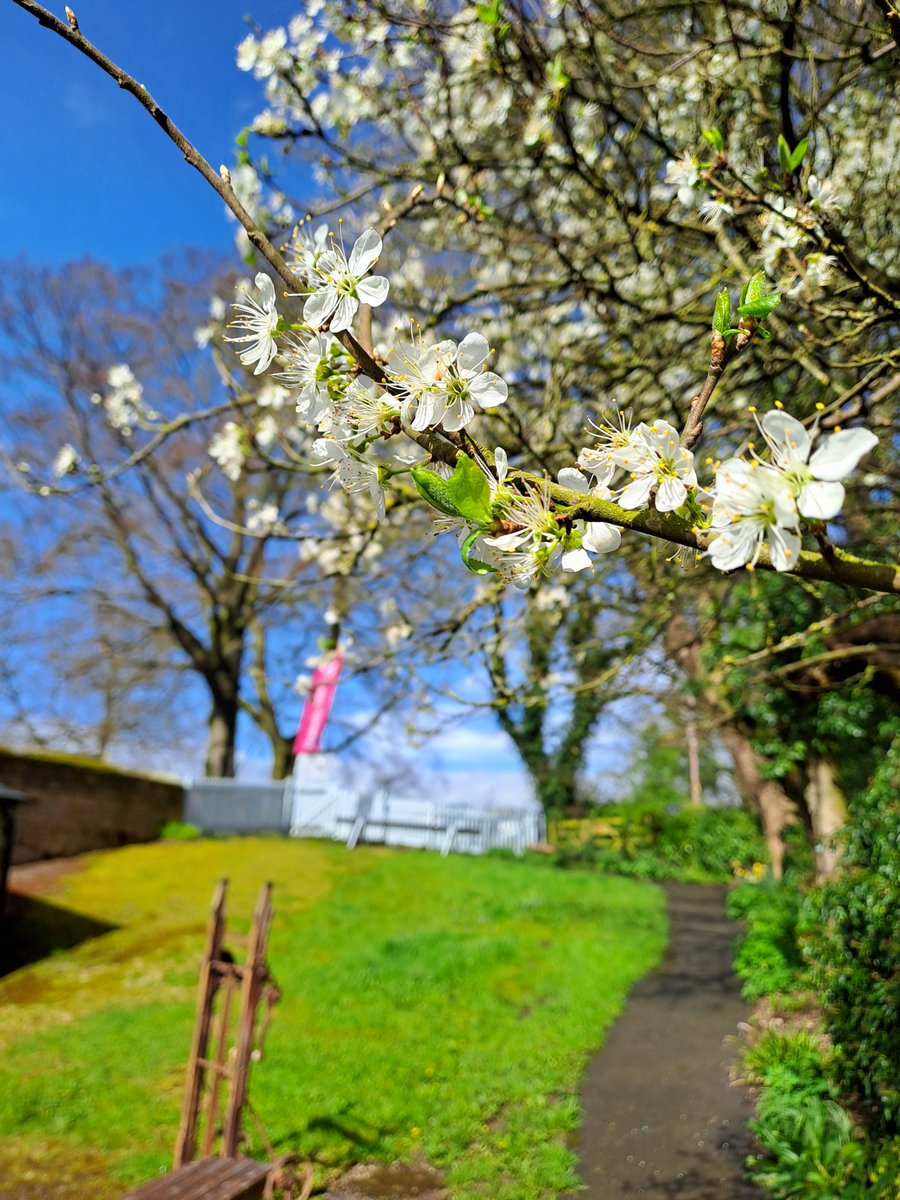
(311, 805)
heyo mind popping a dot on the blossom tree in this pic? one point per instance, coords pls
(564, 212)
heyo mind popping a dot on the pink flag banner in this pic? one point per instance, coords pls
(318, 705)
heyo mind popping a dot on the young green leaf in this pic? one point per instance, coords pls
(761, 308)
(799, 153)
(755, 290)
(475, 565)
(715, 139)
(433, 489)
(784, 154)
(466, 493)
(722, 314)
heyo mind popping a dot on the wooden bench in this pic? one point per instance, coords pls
(208, 1179)
(450, 829)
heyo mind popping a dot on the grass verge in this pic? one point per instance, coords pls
(433, 1008)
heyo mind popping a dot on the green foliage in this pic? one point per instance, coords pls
(853, 947)
(768, 958)
(791, 159)
(179, 831)
(466, 493)
(813, 1149)
(694, 845)
(430, 1008)
(848, 722)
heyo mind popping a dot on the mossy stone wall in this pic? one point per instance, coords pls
(79, 805)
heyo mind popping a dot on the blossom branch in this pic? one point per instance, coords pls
(840, 567)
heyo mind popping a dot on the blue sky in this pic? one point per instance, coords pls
(86, 172)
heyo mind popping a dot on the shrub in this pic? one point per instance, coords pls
(768, 957)
(179, 831)
(853, 948)
(813, 1149)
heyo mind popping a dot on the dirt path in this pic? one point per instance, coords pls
(661, 1120)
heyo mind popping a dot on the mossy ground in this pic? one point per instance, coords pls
(432, 1008)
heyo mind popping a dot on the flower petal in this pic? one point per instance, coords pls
(784, 548)
(637, 493)
(459, 413)
(488, 390)
(839, 453)
(473, 350)
(266, 290)
(789, 440)
(319, 306)
(569, 477)
(600, 538)
(820, 501)
(501, 463)
(344, 314)
(373, 290)
(365, 251)
(575, 560)
(734, 546)
(671, 495)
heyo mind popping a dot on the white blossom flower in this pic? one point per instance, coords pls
(124, 402)
(715, 212)
(228, 449)
(338, 286)
(445, 384)
(360, 411)
(66, 461)
(533, 546)
(683, 174)
(813, 475)
(266, 56)
(753, 504)
(353, 473)
(656, 460)
(819, 269)
(822, 196)
(309, 367)
(262, 518)
(260, 319)
(596, 537)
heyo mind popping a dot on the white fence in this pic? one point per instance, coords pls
(313, 806)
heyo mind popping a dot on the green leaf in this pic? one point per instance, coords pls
(715, 139)
(475, 565)
(799, 153)
(466, 493)
(433, 488)
(722, 314)
(761, 308)
(488, 14)
(784, 154)
(756, 289)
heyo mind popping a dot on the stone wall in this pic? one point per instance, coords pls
(77, 805)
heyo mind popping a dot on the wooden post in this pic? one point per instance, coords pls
(186, 1145)
(253, 978)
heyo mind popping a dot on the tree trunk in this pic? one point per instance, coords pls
(827, 812)
(282, 757)
(693, 751)
(221, 739)
(775, 807)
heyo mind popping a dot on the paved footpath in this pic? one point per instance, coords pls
(661, 1120)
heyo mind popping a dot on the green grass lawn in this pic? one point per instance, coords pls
(433, 1008)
